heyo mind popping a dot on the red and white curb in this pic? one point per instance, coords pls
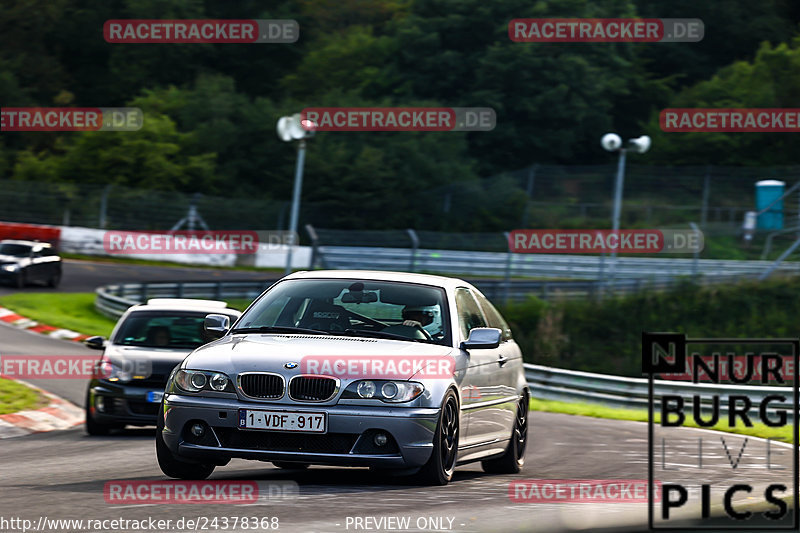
(59, 414)
(18, 321)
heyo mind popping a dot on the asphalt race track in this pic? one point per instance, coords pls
(61, 474)
(86, 276)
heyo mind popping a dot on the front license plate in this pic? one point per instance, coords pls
(283, 421)
(155, 396)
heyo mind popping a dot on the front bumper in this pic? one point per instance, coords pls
(348, 441)
(124, 403)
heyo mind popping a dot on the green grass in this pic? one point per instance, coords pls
(74, 311)
(599, 411)
(17, 397)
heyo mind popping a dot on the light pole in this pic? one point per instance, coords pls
(295, 129)
(612, 142)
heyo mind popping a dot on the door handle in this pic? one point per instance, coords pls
(502, 360)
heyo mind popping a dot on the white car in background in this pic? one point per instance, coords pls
(148, 341)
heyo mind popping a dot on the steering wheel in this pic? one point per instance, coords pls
(424, 332)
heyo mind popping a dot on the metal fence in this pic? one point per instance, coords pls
(575, 196)
(113, 300)
(473, 263)
(572, 386)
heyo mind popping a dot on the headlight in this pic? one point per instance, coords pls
(384, 390)
(366, 389)
(111, 372)
(198, 380)
(10, 268)
(219, 382)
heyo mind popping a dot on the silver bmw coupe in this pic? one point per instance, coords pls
(410, 374)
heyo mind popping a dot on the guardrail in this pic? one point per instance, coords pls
(113, 300)
(573, 386)
(533, 265)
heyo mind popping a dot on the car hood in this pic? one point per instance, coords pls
(270, 352)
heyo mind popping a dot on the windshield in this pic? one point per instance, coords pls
(17, 250)
(162, 329)
(404, 311)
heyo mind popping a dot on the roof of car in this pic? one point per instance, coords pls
(186, 304)
(26, 243)
(381, 275)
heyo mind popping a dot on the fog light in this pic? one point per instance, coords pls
(381, 439)
(198, 430)
(100, 404)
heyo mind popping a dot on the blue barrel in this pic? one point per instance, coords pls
(767, 191)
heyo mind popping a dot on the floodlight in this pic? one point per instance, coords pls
(611, 142)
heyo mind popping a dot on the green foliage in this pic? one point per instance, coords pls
(771, 80)
(210, 110)
(605, 336)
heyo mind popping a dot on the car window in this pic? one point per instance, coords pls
(469, 314)
(493, 317)
(162, 329)
(17, 250)
(409, 310)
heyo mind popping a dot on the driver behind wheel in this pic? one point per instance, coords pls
(417, 316)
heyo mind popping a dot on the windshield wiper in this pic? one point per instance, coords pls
(377, 334)
(280, 329)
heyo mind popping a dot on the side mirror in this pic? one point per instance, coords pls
(216, 326)
(95, 343)
(482, 338)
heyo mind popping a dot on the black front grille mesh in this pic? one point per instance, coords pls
(267, 386)
(312, 388)
(340, 443)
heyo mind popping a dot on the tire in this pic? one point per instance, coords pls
(54, 280)
(172, 467)
(512, 461)
(439, 468)
(290, 466)
(94, 428)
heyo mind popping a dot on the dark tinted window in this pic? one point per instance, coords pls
(17, 250)
(162, 329)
